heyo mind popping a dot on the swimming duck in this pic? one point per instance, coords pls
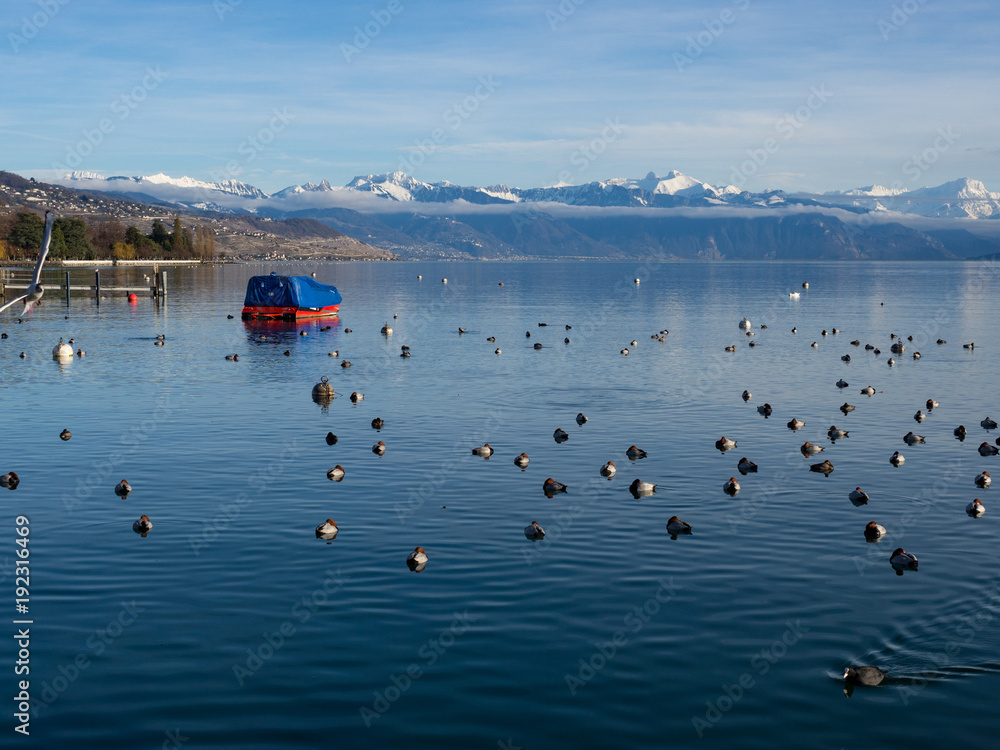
(868, 347)
(890, 362)
(634, 343)
(327, 530)
(920, 416)
(550, 486)
(731, 487)
(635, 453)
(404, 348)
(491, 339)
(752, 343)
(232, 357)
(870, 676)
(932, 404)
(795, 330)
(534, 531)
(846, 407)
(730, 348)
(765, 410)
(814, 344)
(746, 395)
(842, 383)
(527, 334)
(379, 448)
(900, 558)
(823, 332)
(916, 355)
(824, 468)
(810, 448)
(858, 496)
(142, 525)
(65, 435)
(911, 439)
(123, 488)
(988, 450)
(62, 350)
(158, 343)
(538, 344)
(941, 341)
(896, 459)
(417, 557)
(960, 431)
(522, 460)
(344, 363)
(846, 358)
(855, 343)
(608, 470)
(874, 531)
(560, 435)
(10, 480)
(725, 444)
(355, 397)
(581, 418)
(336, 473)
(984, 480)
(746, 466)
(377, 423)
(988, 424)
(869, 391)
(834, 434)
(639, 488)
(485, 451)
(566, 340)
(969, 346)
(676, 526)
(796, 424)
(975, 508)
(495, 351)
(624, 351)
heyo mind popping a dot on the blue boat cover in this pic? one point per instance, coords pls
(290, 291)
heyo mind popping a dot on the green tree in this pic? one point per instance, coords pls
(177, 237)
(160, 235)
(75, 233)
(57, 245)
(27, 231)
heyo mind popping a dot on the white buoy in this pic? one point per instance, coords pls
(62, 351)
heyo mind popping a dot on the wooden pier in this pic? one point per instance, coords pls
(158, 290)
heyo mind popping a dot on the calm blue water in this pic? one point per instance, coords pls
(232, 625)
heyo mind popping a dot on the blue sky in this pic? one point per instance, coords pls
(793, 95)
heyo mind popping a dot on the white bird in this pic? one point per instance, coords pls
(975, 508)
(793, 295)
(534, 531)
(35, 290)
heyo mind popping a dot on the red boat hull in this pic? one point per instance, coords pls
(287, 313)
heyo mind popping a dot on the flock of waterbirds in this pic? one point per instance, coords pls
(323, 392)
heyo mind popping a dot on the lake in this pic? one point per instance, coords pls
(232, 625)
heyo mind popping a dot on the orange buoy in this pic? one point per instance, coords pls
(133, 297)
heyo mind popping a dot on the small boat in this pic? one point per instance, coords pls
(289, 298)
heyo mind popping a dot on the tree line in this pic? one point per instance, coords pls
(73, 238)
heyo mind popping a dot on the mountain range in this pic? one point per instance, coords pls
(673, 216)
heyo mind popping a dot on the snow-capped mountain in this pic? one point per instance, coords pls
(963, 198)
(958, 199)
